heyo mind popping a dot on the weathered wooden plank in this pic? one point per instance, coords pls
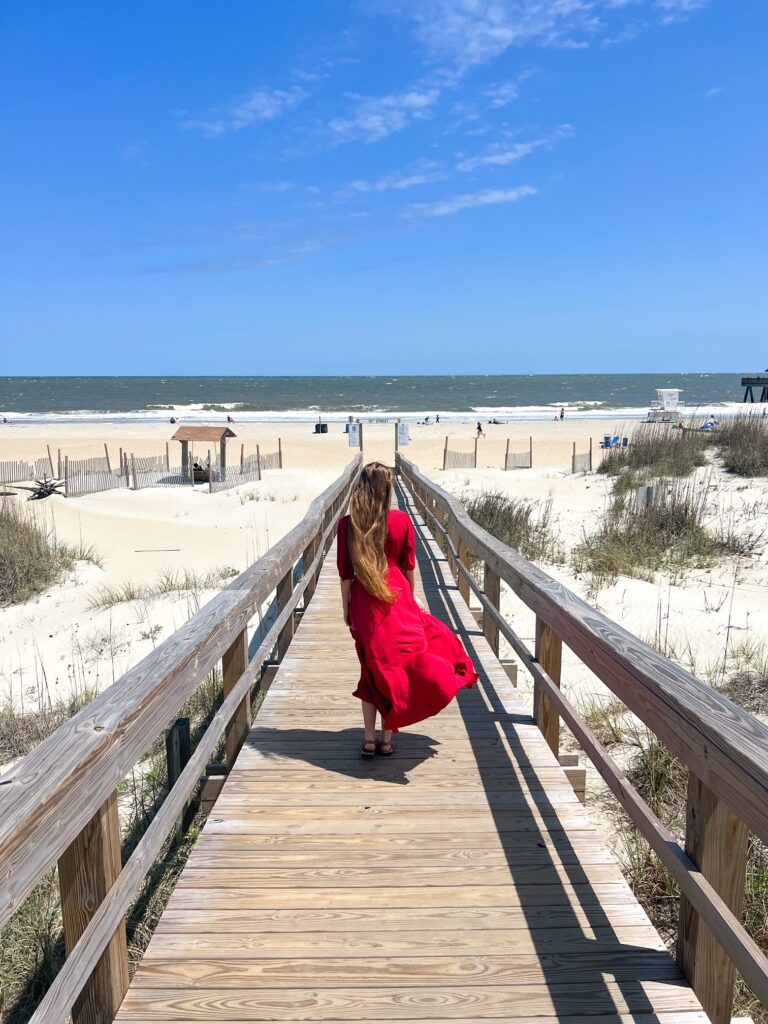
(396, 1003)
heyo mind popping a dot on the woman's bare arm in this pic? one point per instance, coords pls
(346, 590)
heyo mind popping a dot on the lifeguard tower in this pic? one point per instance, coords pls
(667, 406)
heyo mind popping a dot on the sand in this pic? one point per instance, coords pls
(57, 644)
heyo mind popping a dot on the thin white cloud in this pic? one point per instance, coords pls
(397, 182)
(258, 105)
(500, 157)
(503, 94)
(472, 32)
(467, 201)
(376, 117)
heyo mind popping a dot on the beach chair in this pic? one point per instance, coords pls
(606, 442)
(615, 442)
(625, 442)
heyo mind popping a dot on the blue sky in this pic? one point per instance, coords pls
(371, 186)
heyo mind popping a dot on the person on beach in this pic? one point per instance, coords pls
(411, 664)
(480, 431)
(562, 413)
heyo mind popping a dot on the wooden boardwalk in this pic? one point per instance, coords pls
(457, 880)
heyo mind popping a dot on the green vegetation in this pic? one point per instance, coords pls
(519, 523)
(743, 445)
(643, 532)
(31, 557)
(183, 582)
(657, 451)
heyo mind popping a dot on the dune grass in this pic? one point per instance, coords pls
(641, 534)
(31, 556)
(527, 526)
(657, 450)
(182, 582)
(743, 445)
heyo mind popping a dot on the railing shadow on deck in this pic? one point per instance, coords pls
(725, 747)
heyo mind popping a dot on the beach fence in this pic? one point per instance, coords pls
(581, 462)
(15, 470)
(519, 460)
(155, 471)
(459, 460)
(222, 478)
(87, 476)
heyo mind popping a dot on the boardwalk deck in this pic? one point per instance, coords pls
(457, 880)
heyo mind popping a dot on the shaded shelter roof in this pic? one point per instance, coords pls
(202, 434)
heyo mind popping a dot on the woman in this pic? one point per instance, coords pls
(411, 664)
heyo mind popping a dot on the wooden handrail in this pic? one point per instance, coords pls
(52, 794)
(725, 748)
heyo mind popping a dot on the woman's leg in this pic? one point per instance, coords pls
(385, 740)
(369, 721)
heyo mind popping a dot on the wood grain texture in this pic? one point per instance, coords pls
(716, 841)
(87, 871)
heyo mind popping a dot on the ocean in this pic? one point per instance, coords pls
(263, 399)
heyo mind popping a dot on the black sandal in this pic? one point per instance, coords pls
(365, 750)
(385, 752)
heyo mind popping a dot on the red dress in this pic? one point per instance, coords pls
(412, 665)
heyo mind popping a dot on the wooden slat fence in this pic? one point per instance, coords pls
(249, 470)
(87, 476)
(16, 471)
(724, 747)
(519, 460)
(459, 460)
(154, 471)
(58, 804)
(581, 462)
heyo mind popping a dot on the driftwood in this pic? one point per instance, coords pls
(43, 488)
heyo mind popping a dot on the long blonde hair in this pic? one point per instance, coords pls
(367, 535)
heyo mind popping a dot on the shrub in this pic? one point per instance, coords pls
(659, 449)
(31, 557)
(519, 523)
(743, 445)
(643, 532)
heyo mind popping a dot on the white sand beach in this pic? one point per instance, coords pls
(57, 642)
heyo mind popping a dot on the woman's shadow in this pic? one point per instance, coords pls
(338, 750)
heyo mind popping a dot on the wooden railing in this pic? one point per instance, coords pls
(724, 748)
(59, 804)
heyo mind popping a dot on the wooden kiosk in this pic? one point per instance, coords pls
(213, 435)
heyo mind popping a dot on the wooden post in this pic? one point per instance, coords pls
(506, 456)
(87, 870)
(167, 457)
(66, 476)
(242, 456)
(530, 451)
(122, 464)
(50, 458)
(279, 453)
(716, 840)
(283, 594)
(106, 453)
(308, 558)
(445, 451)
(590, 455)
(451, 560)
(573, 458)
(58, 452)
(233, 664)
(210, 473)
(476, 440)
(397, 446)
(258, 461)
(492, 590)
(465, 557)
(549, 654)
(135, 478)
(177, 751)
(361, 436)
